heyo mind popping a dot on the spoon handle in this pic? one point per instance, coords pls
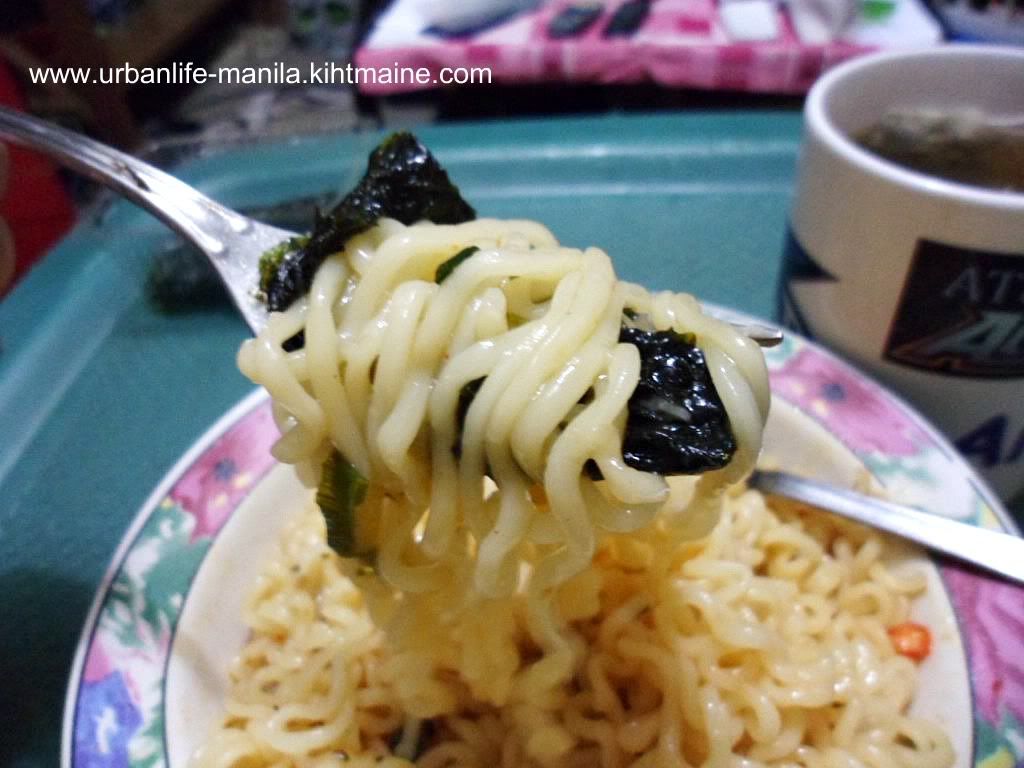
(993, 551)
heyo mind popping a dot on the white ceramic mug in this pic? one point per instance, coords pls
(917, 279)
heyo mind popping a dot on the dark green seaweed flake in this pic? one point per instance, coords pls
(403, 181)
(677, 424)
(342, 489)
(445, 270)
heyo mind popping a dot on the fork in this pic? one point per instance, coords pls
(233, 243)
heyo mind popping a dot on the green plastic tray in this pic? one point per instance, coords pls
(100, 393)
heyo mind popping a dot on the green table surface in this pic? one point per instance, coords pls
(100, 393)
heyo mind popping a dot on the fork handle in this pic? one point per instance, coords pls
(204, 222)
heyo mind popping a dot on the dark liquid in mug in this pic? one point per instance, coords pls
(964, 147)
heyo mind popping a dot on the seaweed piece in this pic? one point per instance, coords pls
(342, 489)
(450, 265)
(298, 341)
(677, 424)
(270, 261)
(181, 279)
(403, 181)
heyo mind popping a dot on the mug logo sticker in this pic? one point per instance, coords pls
(961, 313)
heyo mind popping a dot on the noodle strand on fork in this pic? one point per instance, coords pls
(388, 353)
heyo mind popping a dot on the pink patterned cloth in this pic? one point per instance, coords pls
(682, 43)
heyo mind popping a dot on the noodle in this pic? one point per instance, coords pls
(763, 645)
(387, 352)
(519, 608)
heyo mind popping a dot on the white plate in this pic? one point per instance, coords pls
(151, 669)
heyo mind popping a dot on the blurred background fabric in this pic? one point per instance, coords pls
(544, 57)
(35, 207)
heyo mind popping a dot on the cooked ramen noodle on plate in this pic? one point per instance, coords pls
(526, 540)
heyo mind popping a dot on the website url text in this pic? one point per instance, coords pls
(324, 73)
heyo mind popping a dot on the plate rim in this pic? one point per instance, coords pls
(229, 418)
(257, 396)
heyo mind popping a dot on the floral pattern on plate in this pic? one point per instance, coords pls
(115, 716)
(117, 720)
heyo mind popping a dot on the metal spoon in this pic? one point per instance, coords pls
(993, 551)
(232, 242)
